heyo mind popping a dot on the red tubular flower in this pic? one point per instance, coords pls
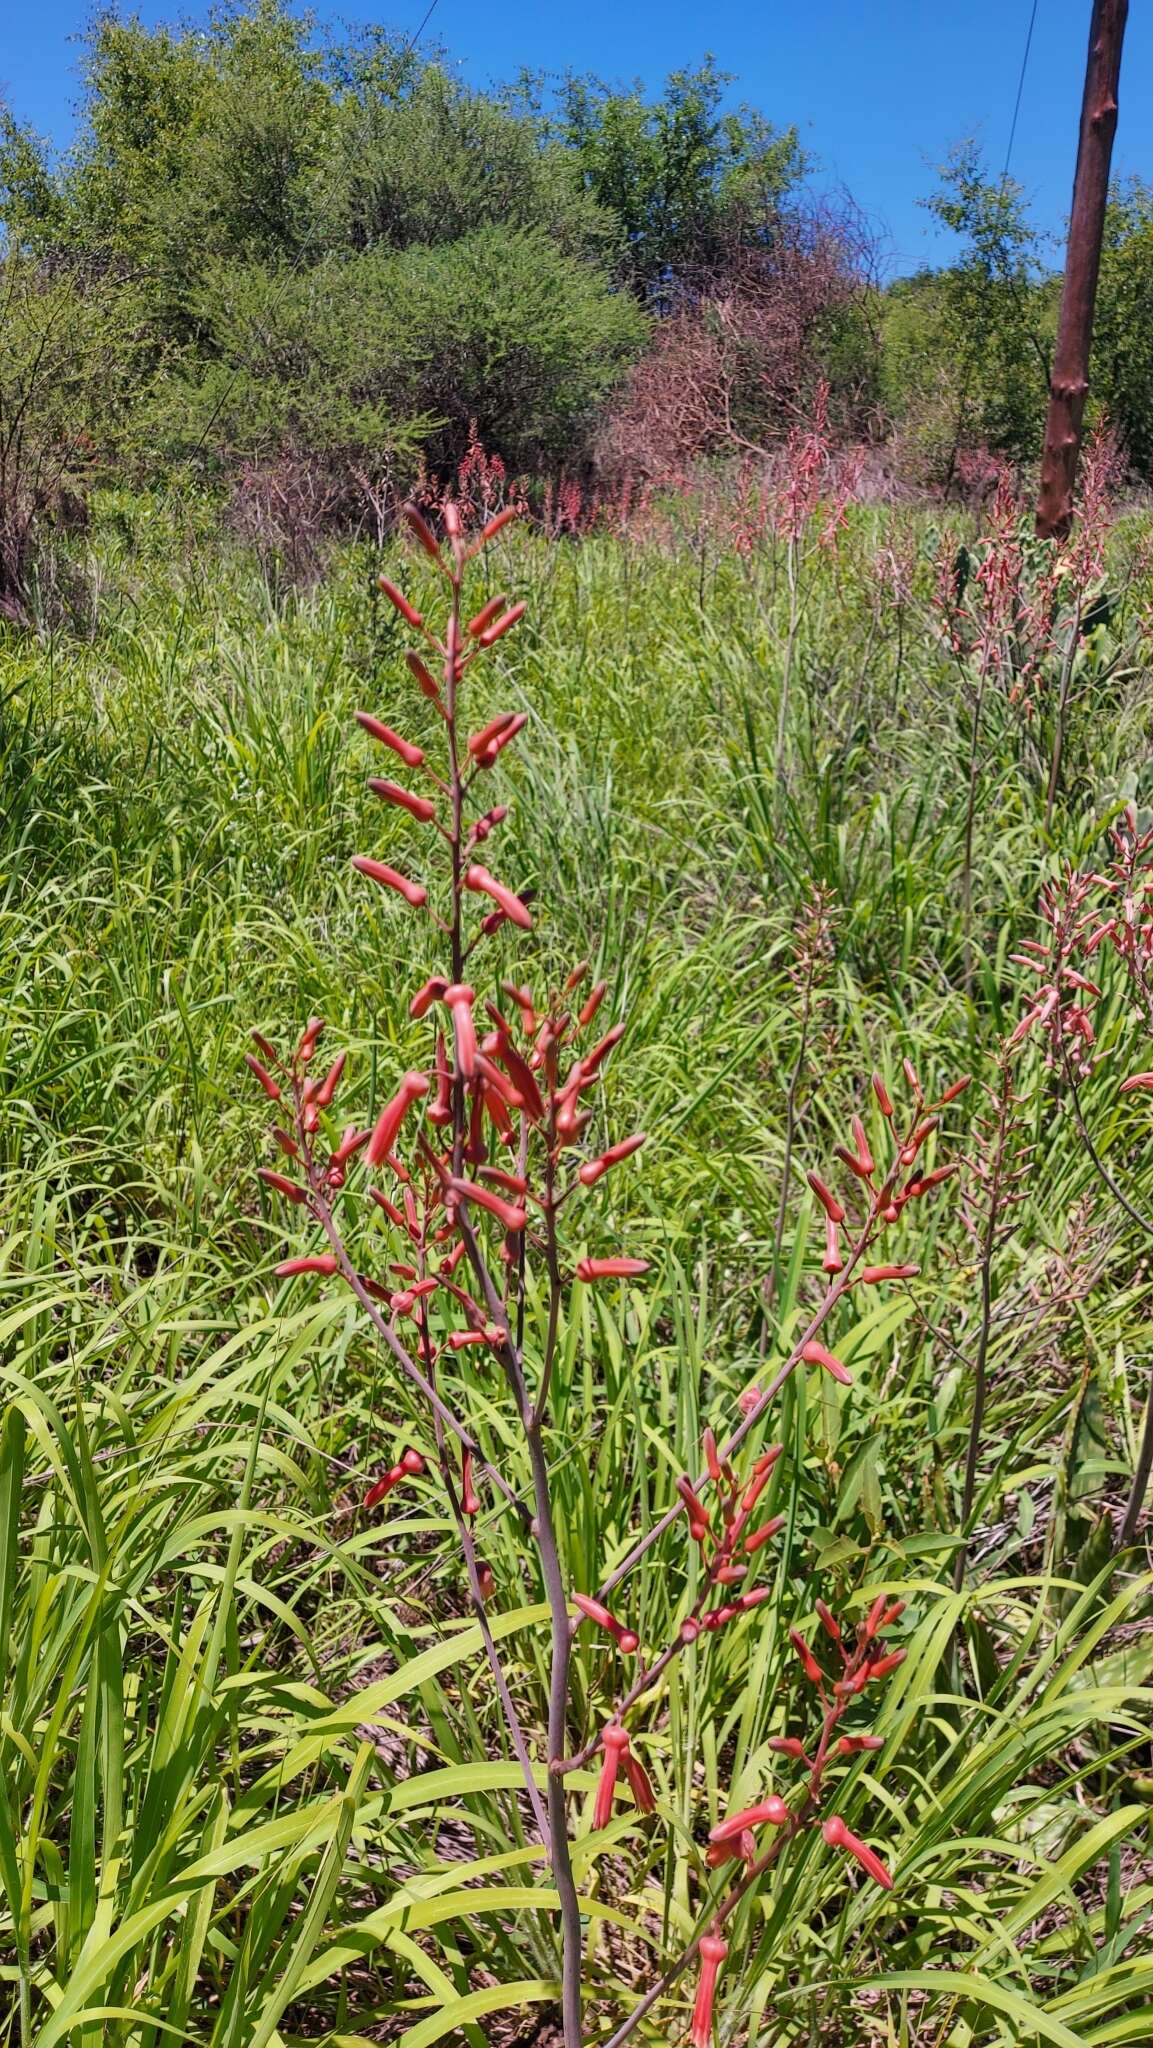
(410, 1466)
(501, 626)
(506, 1213)
(592, 1610)
(419, 807)
(425, 680)
(592, 1170)
(592, 1060)
(313, 1030)
(864, 1169)
(502, 739)
(852, 1745)
(764, 1534)
(458, 999)
(425, 997)
(639, 1783)
(397, 597)
(281, 1183)
(771, 1812)
(828, 1621)
(610, 1269)
(265, 1079)
(1134, 1081)
(755, 1597)
(322, 1262)
(712, 1954)
(423, 533)
(826, 1198)
(486, 1580)
(869, 1276)
(874, 1617)
(378, 871)
(958, 1088)
(460, 1340)
(614, 1743)
(441, 1110)
(469, 1498)
(410, 755)
(832, 1262)
(809, 1664)
(884, 1665)
(481, 741)
(882, 1095)
(485, 616)
(814, 1353)
(838, 1836)
(481, 882)
(495, 524)
(788, 1745)
(331, 1082)
(592, 1004)
(699, 1524)
(861, 1141)
(388, 1123)
(264, 1046)
(712, 1458)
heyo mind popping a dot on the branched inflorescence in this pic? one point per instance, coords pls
(471, 1166)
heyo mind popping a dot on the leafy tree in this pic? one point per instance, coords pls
(687, 182)
(1122, 369)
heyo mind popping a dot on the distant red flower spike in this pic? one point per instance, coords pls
(485, 616)
(838, 1836)
(423, 532)
(870, 1276)
(614, 1743)
(826, 1198)
(391, 1117)
(593, 1169)
(410, 755)
(323, 1262)
(419, 807)
(498, 521)
(1134, 1081)
(832, 1262)
(809, 1664)
(425, 680)
(501, 626)
(481, 882)
(712, 1952)
(331, 1082)
(884, 1102)
(610, 1269)
(814, 1353)
(378, 871)
(507, 1213)
(270, 1087)
(397, 598)
(283, 1186)
(771, 1812)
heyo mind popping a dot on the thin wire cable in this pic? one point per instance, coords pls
(245, 362)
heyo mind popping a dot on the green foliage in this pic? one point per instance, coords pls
(1122, 369)
(688, 182)
(240, 1718)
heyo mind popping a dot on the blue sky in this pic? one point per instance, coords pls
(880, 89)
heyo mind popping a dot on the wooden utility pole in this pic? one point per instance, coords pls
(1069, 384)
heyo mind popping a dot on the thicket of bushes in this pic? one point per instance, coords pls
(273, 247)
